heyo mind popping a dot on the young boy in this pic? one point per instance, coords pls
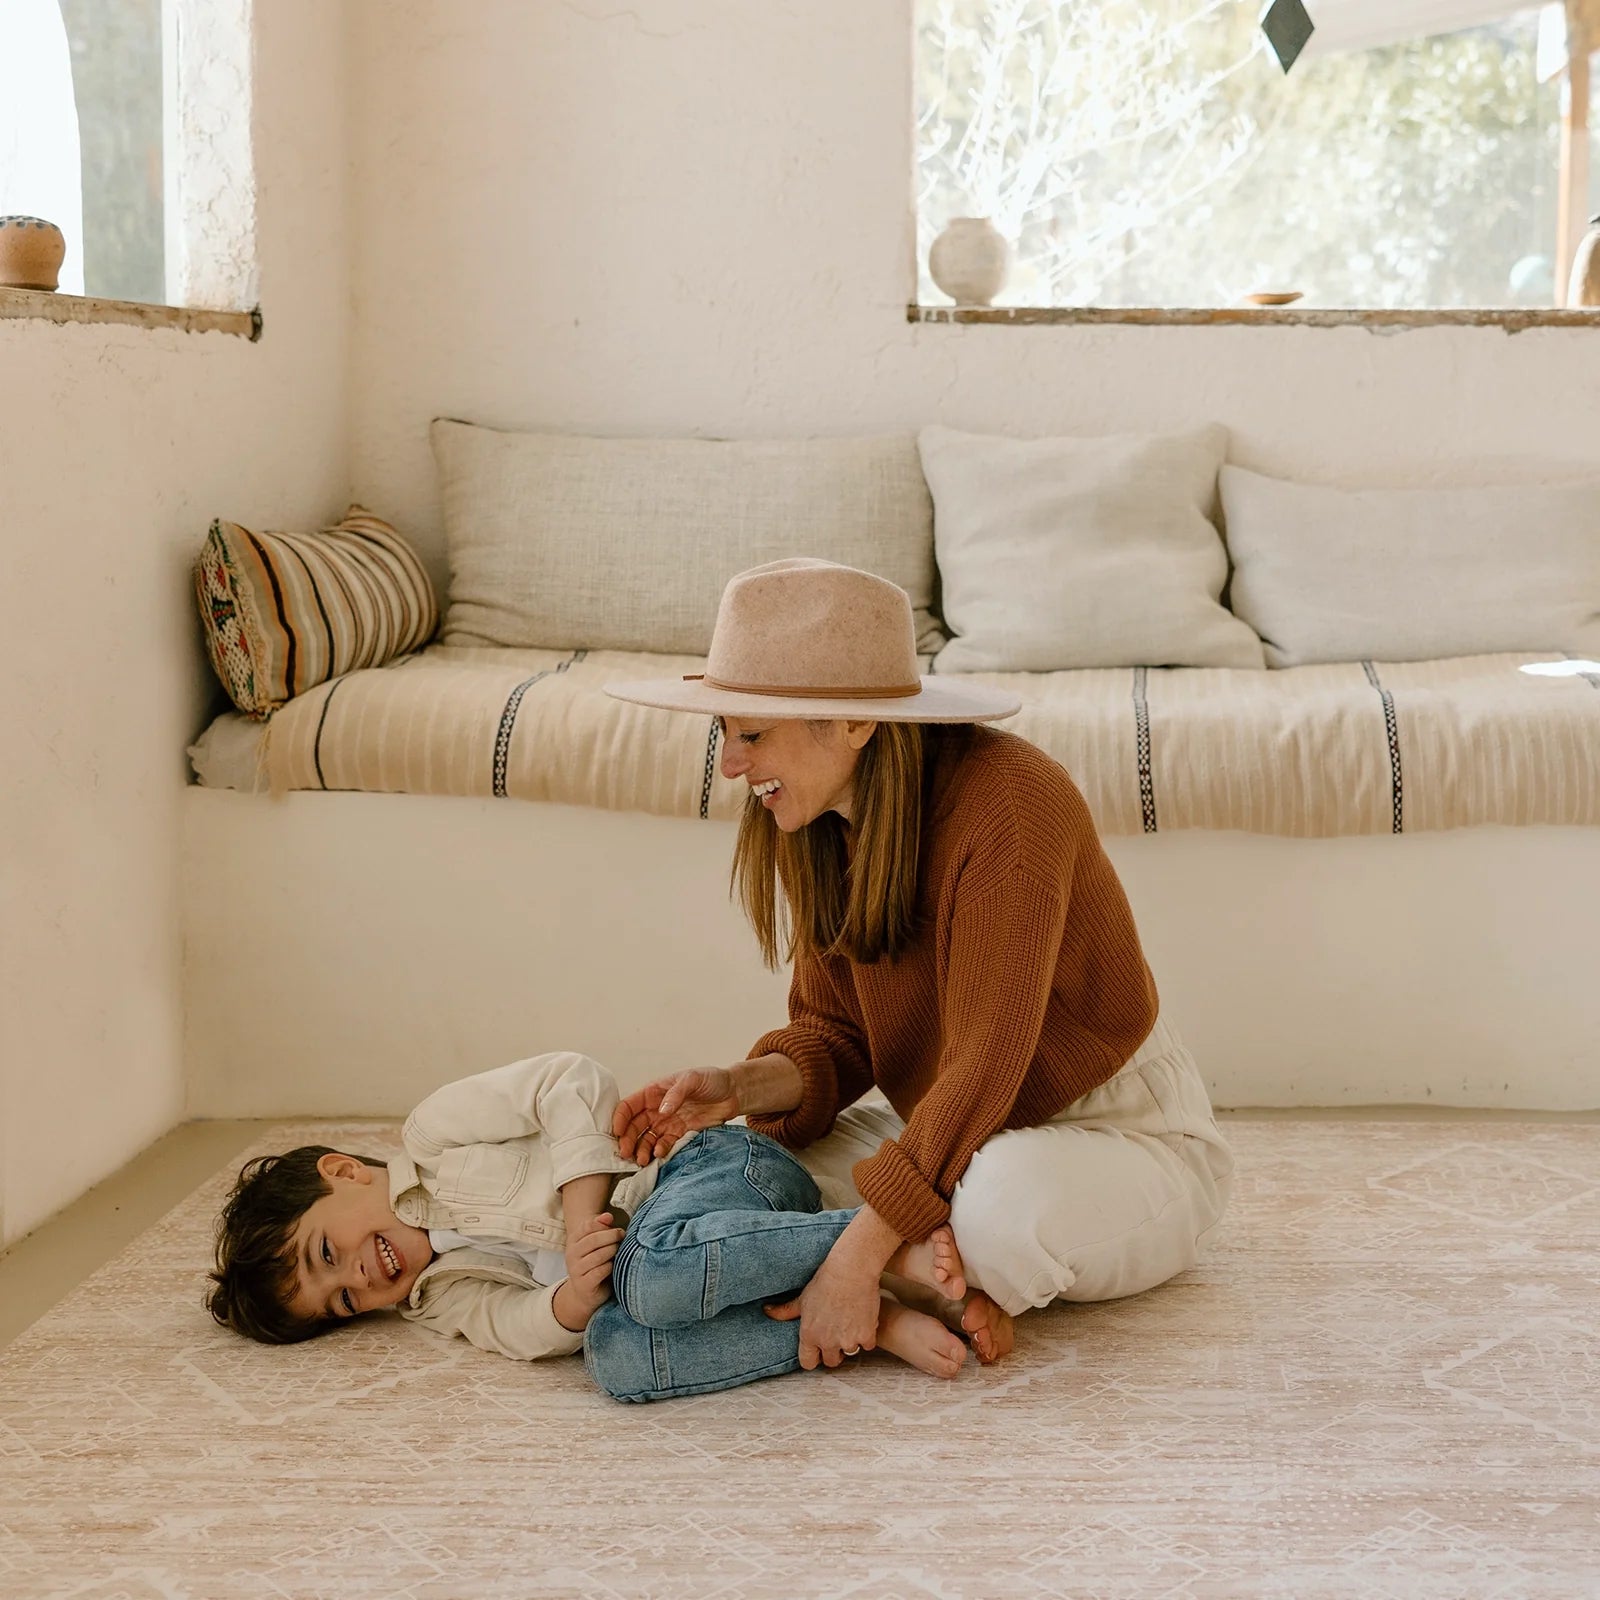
(500, 1222)
(492, 1223)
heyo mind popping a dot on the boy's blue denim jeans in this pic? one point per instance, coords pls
(734, 1224)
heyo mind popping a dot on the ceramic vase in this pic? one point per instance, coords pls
(969, 261)
(1583, 293)
(31, 253)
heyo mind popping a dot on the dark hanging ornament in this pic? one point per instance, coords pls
(1288, 26)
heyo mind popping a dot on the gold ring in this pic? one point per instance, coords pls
(854, 1352)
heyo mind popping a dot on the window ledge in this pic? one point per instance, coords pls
(47, 306)
(1511, 319)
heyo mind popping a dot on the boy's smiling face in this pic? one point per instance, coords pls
(351, 1253)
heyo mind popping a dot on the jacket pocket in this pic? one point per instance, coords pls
(485, 1174)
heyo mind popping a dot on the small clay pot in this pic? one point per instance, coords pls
(969, 261)
(31, 253)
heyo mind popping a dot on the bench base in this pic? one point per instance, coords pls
(347, 953)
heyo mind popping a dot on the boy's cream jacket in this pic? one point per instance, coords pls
(487, 1156)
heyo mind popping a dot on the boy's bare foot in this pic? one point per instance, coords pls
(935, 1263)
(919, 1339)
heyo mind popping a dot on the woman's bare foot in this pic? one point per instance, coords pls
(922, 1340)
(935, 1263)
(991, 1330)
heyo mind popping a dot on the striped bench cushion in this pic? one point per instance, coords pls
(1311, 751)
(283, 612)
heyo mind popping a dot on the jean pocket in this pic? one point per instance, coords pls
(690, 1149)
(778, 1177)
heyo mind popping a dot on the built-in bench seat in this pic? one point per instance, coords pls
(1368, 883)
(1308, 752)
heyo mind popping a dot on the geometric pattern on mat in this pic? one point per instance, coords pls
(1383, 1382)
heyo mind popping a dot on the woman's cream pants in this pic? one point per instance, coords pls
(1115, 1195)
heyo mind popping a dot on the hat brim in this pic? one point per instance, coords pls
(938, 700)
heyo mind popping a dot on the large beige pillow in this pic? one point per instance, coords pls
(1413, 574)
(1057, 553)
(626, 544)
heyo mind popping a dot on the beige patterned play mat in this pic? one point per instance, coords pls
(1384, 1382)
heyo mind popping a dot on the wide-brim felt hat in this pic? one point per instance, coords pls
(807, 638)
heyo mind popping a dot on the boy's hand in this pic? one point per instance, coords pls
(590, 1252)
(591, 1248)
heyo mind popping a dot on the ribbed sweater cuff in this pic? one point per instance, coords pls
(819, 1089)
(893, 1187)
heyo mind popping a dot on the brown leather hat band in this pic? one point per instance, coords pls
(897, 691)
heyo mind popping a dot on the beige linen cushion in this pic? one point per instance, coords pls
(564, 542)
(1060, 553)
(1413, 574)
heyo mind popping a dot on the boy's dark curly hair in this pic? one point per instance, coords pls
(255, 1274)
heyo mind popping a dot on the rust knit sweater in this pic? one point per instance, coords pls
(1023, 988)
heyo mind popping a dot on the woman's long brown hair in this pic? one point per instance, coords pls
(808, 893)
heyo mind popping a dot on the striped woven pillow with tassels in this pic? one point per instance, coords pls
(285, 611)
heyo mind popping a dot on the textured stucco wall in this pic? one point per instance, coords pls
(693, 216)
(117, 446)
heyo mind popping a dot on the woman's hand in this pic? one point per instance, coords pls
(838, 1312)
(839, 1308)
(653, 1119)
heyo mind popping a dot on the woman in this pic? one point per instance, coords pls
(961, 941)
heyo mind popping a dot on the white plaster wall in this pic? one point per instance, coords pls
(484, 949)
(117, 447)
(693, 217)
